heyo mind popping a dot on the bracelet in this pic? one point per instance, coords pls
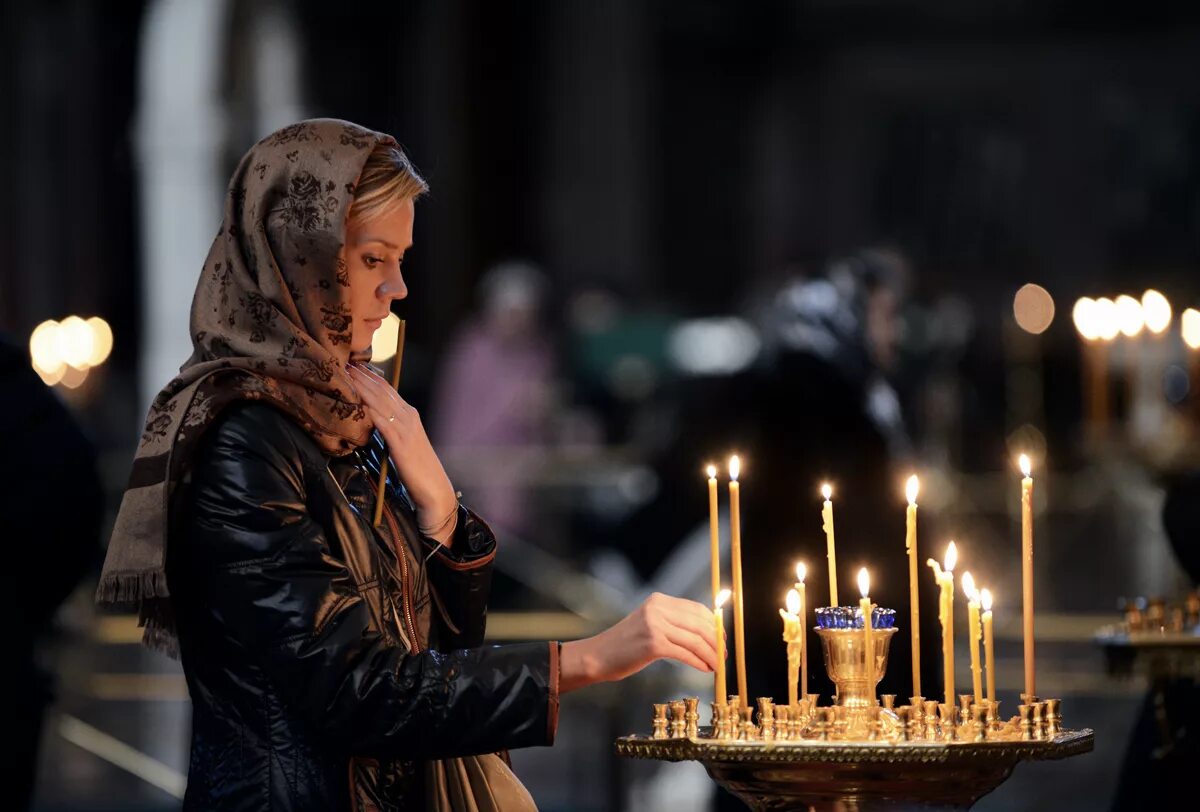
(429, 531)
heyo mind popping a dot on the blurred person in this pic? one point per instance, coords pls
(332, 663)
(1164, 744)
(53, 504)
(493, 397)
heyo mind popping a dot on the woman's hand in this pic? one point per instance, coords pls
(408, 446)
(661, 628)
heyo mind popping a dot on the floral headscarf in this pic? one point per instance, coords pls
(270, 321)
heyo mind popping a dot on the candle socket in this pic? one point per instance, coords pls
(889, 701)
(783, 722)
(1025, 714)
(965, 701)
(766, 718)
(948, 726)
(1053, 717)
(747, 730)
(824, 723)
(1039, 714)
(660, 721)
(692, 716)
(931, 719)
(718, 711)
(979, 724)
(678, 719)
(993, 712)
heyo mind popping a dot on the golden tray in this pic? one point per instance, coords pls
(848, 776)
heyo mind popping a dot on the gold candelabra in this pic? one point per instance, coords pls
(860, 752)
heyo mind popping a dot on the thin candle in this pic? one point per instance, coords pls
(714, 535)
(864, 606)
(719, 688)
(801, 571)
(827, 523)
(397, 360)
(793, 635)
(1027, 571)
(989, 648)
(973, 633)
(945, 579)
(735, 538)
(910, 543)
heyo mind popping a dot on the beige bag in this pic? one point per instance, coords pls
(474, 784)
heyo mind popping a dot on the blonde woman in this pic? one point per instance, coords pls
(330, 662)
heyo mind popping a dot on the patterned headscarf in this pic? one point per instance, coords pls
(270, 321)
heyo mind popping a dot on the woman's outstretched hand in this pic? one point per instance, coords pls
(661, 628)
(409, 448)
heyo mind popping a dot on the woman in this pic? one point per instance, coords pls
(328, 660)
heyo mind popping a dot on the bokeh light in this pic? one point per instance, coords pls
(1033, 308)
(1130, 320)
(1108, 323)
(1084, 316)
(1190, 328)
(383, 343)
(1157, 311)
(63, 352)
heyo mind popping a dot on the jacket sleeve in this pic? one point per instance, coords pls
(461, 576)
(271, 578)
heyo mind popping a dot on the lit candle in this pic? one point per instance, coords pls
(989, 648)
(973, 633)
(1027, 570)
(735, 538)
(793, 635)
(864, 606)
(714, 535)
(719, 621)
(801, 571)
(827, 523)
(945, 579)
(910, 544)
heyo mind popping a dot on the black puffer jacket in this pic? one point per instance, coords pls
(326, 660)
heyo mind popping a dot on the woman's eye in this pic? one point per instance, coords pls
(371, 262)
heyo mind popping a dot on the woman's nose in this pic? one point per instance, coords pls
(393, 288)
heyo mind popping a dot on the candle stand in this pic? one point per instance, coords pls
(858, 754)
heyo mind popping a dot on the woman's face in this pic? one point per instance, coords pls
(374, 251)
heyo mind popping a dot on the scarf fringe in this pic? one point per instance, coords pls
(123, 590)
(149, 593)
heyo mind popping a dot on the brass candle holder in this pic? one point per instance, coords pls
(846, 663)
(857, 754)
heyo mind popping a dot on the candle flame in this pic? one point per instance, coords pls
(864, 581)
(1026, 466)
(827, 491)
(801, 571)
(985, 598)
(711, 471)
(911, 488)
(793, 602)
(951, 558)
(735, 467)
(968, 585)
(722, 596)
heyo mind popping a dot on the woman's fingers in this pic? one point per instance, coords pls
(685, 656)
(694, 644)
(693, 617)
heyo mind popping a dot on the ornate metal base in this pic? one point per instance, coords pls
(846, 776)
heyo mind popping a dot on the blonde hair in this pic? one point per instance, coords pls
(387, 178)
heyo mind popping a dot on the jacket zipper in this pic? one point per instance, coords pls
(406, 597)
